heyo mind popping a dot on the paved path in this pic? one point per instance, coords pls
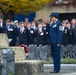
(66, 69)
(62, 72)
(70, 73)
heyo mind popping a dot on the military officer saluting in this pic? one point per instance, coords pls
(55, 35)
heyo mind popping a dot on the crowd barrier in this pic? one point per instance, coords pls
(43, 52)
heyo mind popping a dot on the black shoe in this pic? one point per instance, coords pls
(54, 71)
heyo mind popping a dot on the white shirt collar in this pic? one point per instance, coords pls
(1, 24)
(28, 28)
(33, 27)
(40, 29)
(22, 29)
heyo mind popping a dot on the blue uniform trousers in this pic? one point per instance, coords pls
(55, 52)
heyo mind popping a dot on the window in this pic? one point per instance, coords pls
(61, 0)
(64, 1)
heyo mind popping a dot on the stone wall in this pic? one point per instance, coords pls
(4, 42)
(29, 67)
(45, 12)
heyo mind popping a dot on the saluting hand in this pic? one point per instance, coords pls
(58, 45)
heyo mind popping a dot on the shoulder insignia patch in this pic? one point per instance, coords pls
(55, 25)
(61, 28)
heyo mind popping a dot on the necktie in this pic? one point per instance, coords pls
(73, 26)
(21, 31)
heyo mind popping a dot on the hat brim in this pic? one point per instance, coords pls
(53, 16)
(50, 16)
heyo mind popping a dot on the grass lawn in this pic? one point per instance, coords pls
(63, 61)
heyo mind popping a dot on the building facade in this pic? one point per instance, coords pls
(63, 7)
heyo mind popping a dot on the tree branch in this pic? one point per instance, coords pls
(3, 11)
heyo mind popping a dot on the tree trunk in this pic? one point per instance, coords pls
(8, 15)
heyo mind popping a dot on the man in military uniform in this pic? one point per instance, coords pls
(11, 32)
(55, 40)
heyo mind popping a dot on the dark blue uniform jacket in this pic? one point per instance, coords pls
(55, 32)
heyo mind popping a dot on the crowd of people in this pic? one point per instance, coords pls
(69, 32)
(36, 32)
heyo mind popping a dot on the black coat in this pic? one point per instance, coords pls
(12, 33)
(40, 37)
(30, 36)
(2, 28)
(22, 37)
(71, 36)
(65, 39)
(46, 36)
(74, 32)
